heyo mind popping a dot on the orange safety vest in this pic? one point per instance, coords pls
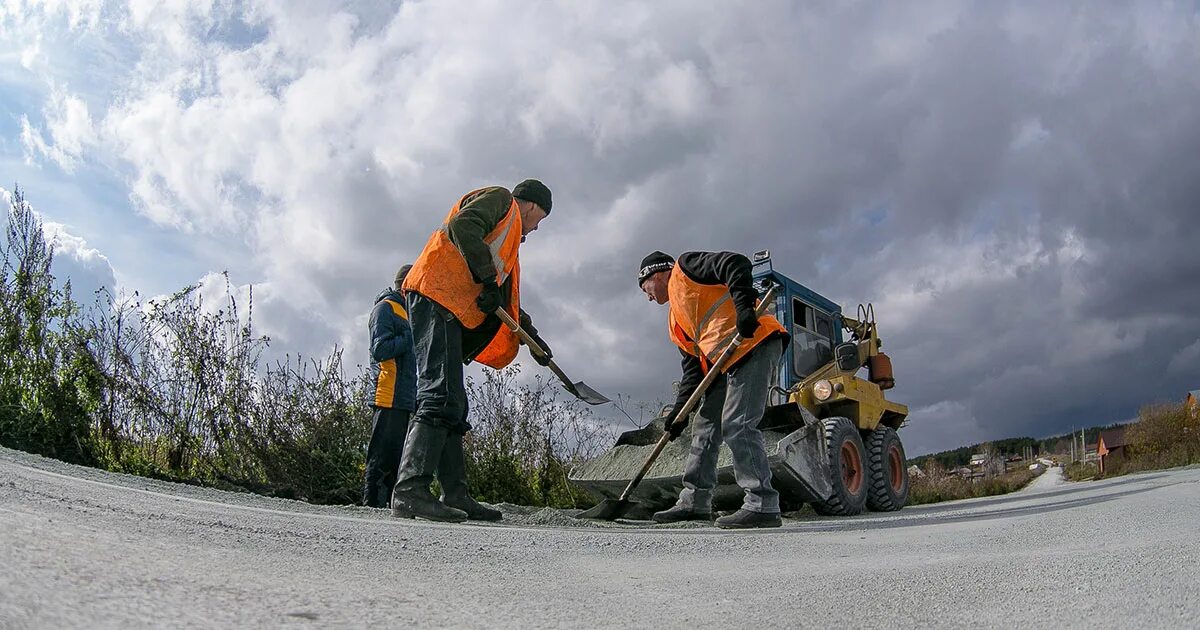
(385, 385)
(703, 320)
(441, 274)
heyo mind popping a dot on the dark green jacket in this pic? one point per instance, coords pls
(478, 215)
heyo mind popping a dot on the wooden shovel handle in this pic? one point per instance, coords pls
(512, 323)
(536, 349)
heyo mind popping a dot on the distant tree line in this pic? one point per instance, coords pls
(170, 388)
(961, 456)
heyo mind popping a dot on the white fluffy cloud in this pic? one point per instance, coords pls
(87, 269)
(69, 131)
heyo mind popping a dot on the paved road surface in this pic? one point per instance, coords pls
(83, 548)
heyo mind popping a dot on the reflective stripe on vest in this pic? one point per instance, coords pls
(705, 336)
(704, 320)
(441, 274)
(385, 385)
(494, 247)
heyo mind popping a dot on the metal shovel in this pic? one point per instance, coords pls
(613, 509)
(578, 389)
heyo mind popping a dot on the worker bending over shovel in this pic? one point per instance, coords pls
(468, 269)
(712, 298)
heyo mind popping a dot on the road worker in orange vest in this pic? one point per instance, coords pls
(469, 268)
(394, 397)
(712, 298)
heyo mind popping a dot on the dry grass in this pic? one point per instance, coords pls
(937, 486)
(1081, 471)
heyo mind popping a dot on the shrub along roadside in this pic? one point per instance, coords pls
(1081, 471)
(49, 386)
(1165, 435)
(937, 486)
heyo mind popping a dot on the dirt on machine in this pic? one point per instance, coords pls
(830, 430)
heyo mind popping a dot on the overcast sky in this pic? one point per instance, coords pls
(1015, 186)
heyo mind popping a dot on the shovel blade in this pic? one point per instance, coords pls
(608, 510)
(588, 395)
(585, 393)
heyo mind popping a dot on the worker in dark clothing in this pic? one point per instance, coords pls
(712, 298)
(468, 269)
(394, 397)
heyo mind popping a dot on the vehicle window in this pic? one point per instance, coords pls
(802, 314)
(824, 326)
(809, 352)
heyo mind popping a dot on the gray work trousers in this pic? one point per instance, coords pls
(731, 410)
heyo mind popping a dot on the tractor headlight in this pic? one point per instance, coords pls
(822, 390)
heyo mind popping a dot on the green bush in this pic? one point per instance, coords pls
(49, 384)
(525, 440)
(1164, 436)
(1079, 471)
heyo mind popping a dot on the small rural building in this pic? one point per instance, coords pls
(1111, 448)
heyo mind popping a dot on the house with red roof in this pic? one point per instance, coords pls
(1111, 448)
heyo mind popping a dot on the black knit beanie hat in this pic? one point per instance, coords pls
(535, 191)
(653, 263)
(400, 275)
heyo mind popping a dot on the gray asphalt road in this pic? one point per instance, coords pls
(80, 547)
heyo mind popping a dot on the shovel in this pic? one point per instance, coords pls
(613, 509)
(578, 389)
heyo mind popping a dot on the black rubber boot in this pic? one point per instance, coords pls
(452, 476)
(745, 519)
(679, 514)
(411, 497)
(373, 496)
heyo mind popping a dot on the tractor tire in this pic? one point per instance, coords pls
(887, 478)
(847, 468)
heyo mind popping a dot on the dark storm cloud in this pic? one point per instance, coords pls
(1051, 156)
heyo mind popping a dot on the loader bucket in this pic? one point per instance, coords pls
(797, 456)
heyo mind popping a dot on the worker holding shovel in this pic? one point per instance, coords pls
(468, 270)
(712, 302)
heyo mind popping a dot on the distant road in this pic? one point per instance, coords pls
(1050, 480)
(83, 548)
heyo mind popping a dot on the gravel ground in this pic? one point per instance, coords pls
(81, 547)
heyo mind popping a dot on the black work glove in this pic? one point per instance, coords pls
(747, 323)
(489, 299)
(673, 426)
(527, 326)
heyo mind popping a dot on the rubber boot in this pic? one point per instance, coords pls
(411, 497)
(678, 514)
(452, 476)
(745, 519)
(373, 496)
